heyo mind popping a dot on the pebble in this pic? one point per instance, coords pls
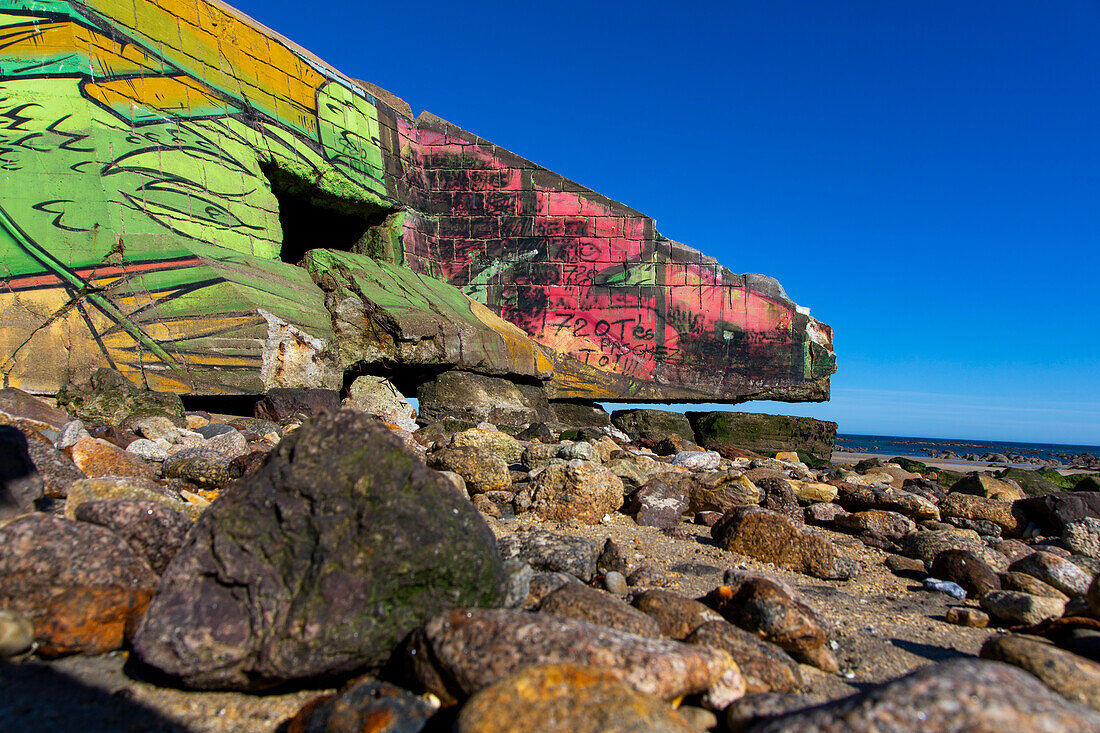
(615, 583)
(966, 616)
(148, 449)
(1021, 609)
(16, 634)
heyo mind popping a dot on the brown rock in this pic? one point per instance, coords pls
(365, 705)
(657, 504)
(966, 569)
(580, 602)
(481, 470)
(1025, 583)
(960, 695)
(96, 489)
(775, 538)
(26, 412)
(762, 706)
(568, 698)
(99, 458)
(719, 491)
(1021, 609)
(1055, 571)
(677, 616)
(57, 470)
(152, 530)
(770, 609)
(926, 545)
(1013, 549)
(765, 667)
(855, 497)
(579, 490)
(877, 527)
(1075, 678)
(780, 497)
(966, 616)
(1094, 597)
(463, 651)
(203, 467)
(21, 487)
(997, 511)
(906, 567)
(982, 484)
(81, 585)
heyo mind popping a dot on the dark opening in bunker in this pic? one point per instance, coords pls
(315, 219)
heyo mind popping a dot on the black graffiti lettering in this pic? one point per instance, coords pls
(568, 318)
(578, 326)
(602, 329)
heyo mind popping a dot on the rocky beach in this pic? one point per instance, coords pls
(334, 562)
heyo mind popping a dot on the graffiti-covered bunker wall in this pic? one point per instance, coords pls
(192, 199)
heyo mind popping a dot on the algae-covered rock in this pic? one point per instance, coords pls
(318, 563)
(1039, 481)
(109, 397)
(652, 425)
(763, 433)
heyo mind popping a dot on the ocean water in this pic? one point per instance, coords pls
(900, 446)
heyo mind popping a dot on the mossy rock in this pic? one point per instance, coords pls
(1039, 481)
(763, 433)
(109, 397)
(910, 465)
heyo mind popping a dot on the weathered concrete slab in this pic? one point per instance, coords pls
(185, 158)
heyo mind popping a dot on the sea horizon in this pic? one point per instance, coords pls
(914, 445)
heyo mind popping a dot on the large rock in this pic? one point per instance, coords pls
(960, 695)
(81, 585)
(478, 398)
(317, 563)
(855, 497)
(462, 651)
(57, 470)
(763, 433)
(652, 425)
(580, 414)
(27, 412)
(379, 397)
(97, 489)
(1016, 608)
(1075, 678)
(109, 397)
(972, 506)
(982, 484)
(566, 698)
(967, 570)
(299, 403)
(482, 471)
(926, 545)
(719, 491)
(579, 490)
(771, 537)
(553, 552)
(677, 616)
(574, 600)
(1055, 571)
(657, 504)
(99, 458)
(364, 706)
(1054, 511)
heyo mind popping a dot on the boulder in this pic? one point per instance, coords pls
(677, 616)
(657, 504)
(855, 497)
(96, 489)
(202, 467)
(718, 491)
(780, 497)
(925, 545)
(28, 413)
(1083, 537)
(109, 397)
(1038, 481)
(770, 537)
(1011, 580)
(495, 442)
(876, 527)
(478, 398)
(462, 651)
(98, 458)
(1015, 608)
(578, 490)
(982, 484)
(971, 506)
(967, 570)
(378, 396)
(1054, 511)
(364, 706)
(652, 426)
(579, 414)
(566, 698)
(1055, 571)
(81, 585)
(349, 541)
(959, 695)
(763, 433)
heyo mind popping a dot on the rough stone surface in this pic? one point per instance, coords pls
(578, 490)
(577, 601)
(1025, 583)
(765, 667)
(771, 609)
(580, 414)
(657, 504)
(1015, 608)
(697, 460)
(719, 491)
(959, 695)
(856, 497)
(231, 444)
(775, 538)
(876, 527)
(79, 584)
(479, 398)
(970, 506)
(463, 651)
(282, 403)
(26, 412)
(16, 634)
(1054, 511)
(154, 531)
(57, 470)
(481, 470)
(1083, 537)
(1055, 571)
(652, 425)
(779, 497)
(926, 545)
(566, 698)
(379, 397)
(494, 442)
(87, 490)
(98, 458)
(349, 541)
(202, 467)
(109, 397)
(553, 553)
(966, 616)
(1073, 677)
(677, 616)
(982, 484)
(763, 433)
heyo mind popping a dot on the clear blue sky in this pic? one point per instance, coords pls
(924, 175)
